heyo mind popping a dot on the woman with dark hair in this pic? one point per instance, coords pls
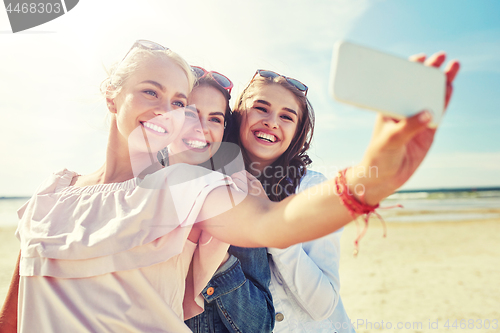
(278, 162)
(207, 119)
(275, 124)
(237, 298)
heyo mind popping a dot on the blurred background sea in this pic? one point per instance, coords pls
(459, 204)
(8, 210)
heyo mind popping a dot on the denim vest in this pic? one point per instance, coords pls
(237, 299)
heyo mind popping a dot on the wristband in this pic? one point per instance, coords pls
(357, 207)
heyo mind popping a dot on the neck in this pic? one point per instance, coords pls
(256, 168)
(118, 165)
(123, 163)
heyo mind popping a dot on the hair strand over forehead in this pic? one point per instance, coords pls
(295, 159)
(121, 71)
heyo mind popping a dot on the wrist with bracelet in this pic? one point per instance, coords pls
(356, 207)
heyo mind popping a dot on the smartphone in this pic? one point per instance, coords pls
(385, 83)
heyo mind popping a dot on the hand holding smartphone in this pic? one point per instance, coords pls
(385, 83)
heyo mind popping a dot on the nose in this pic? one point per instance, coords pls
(271, 120)
(163, 108)
(202, 126)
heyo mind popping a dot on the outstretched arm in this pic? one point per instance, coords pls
(257, 222)
(396, 150)
(8, 314)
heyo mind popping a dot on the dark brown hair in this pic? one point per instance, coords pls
(289, 168)
(208, 81)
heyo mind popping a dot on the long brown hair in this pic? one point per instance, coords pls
(289, 168)
(208, 81)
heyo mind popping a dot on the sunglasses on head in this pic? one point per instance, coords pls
(222, 80)
(146, 44)
(270, 74)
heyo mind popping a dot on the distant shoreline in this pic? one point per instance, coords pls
(457, 189)
(426, 190)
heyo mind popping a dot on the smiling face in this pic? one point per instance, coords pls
(269, 123)
(203, 127)
(143, 108)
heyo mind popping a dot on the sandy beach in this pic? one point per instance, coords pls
(9, 250)
(424, 277)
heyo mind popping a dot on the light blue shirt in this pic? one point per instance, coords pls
(305, 282)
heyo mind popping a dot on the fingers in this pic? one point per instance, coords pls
(411, 126)
(436, 60)
(240, 180)
(254, 186)
(239, 175)
(382, 122)
(418, 57)
(451, 70)
(250, 177)
(247, 183)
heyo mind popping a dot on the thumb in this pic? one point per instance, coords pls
(411, 126)
(250, 176)
(239, 174)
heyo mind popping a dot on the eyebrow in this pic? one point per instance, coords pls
(261, 101)
(291, 111)
(216, 113)
(269, 104)
(162, 88)
(181, 95)
(154, 83)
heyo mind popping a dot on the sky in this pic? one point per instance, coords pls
(53, 115)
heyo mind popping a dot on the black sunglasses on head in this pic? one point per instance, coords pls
(270, 74)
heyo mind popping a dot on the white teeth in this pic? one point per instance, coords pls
(196, 144)
(265, 136)
(154, 127)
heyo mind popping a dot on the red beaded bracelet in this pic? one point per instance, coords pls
(356, 207)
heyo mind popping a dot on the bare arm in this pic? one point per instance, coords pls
(396, 150)
(258, 222)
(8, 314)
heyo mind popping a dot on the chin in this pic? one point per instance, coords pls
(194, 158)
(267, 156)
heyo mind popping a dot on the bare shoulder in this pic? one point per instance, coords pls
(220, 200)
(225, 203)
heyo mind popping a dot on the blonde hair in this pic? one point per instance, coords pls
(121, 71)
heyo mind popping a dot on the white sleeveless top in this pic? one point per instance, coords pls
(115, 257)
